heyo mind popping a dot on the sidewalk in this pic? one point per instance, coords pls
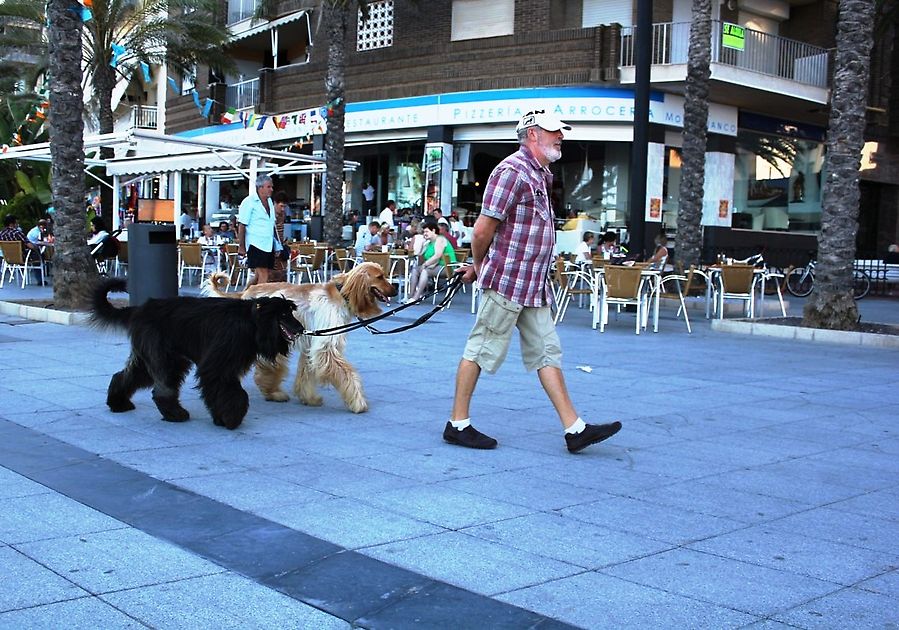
(755, 482)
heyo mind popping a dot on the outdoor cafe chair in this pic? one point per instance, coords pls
(236, 270)
(344, 258)
(621, 286)
(18, 260)
(191, 257)
(737, 282)
(671, 288)
(573, 280)
(381, 258)
(121, 259)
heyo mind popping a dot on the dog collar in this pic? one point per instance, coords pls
(339, 287)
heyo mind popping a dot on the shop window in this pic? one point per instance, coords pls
(777, 183)
(474, 19)
(377, 30)
(189, 81)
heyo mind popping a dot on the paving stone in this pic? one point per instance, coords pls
(886, 584)
(350, 523)
(882, 504)
(219, 601)
(707, 498)
(471, 563)
(445, 507)
(29, 583)
(122, 559)
(568, 540)
(868, 532)
(801, 554)
(849, 608)
(736, 585)
(13, 485)
(87, 613)
(42, 516)
(250, 491)
(591, 600)
(637, 517)
(518, 489)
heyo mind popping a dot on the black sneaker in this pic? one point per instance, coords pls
(469, 436)
(591, 435)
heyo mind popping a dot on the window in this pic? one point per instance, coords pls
(474, 19)
(598, 12)
(189, 81)
(377, 30)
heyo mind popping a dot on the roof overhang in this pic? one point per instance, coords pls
(144, 152)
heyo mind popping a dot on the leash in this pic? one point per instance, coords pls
(451, 289)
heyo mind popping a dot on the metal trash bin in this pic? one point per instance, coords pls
(152, 262)
(316, 227)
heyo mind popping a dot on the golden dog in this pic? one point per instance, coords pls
(356, 293)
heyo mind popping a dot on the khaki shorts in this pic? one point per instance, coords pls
(488, 342)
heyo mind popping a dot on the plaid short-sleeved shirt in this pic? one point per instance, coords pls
(520, 257)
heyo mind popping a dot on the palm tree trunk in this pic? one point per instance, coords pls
(104, 83)
(336, 16)
(73, 271)
(831, 304)
(696, 120)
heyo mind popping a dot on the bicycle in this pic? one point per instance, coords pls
(801, 281)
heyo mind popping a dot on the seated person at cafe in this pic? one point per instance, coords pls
(101, 243)
(365, 236)
(660, 256)
(12, 232)
(584, 251)
(610, 246)
(383, 237)
(892, 255)
(211, 243)
(40, 234)
(432, 259)
(225, 231)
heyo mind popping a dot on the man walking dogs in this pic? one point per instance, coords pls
(512, 248)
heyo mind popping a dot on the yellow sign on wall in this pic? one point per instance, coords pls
(733, 36)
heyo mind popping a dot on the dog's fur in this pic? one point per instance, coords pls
(222, 337)
(319, 306)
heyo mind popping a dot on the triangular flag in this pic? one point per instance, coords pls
(207, 107)
(174, 86)
(146, 68)
(261, 124)
(196, 99)
(117, 51)
(276, 120)
(283, 123)
(229, 116)
(86, 15)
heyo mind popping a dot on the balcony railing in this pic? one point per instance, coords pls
(143, 116)
(243, 95)
(239, 10)
(763, 53)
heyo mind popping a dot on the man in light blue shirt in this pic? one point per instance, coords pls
(256, 230)
(364, 238)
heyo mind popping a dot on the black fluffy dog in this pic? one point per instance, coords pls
(223, 337)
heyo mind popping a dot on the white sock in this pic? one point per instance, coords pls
(459, 425)
(578, 426)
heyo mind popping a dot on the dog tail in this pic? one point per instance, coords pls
(104, 314)
(217, 286)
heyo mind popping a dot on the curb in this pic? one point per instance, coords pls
(38, 314)
(820, 335)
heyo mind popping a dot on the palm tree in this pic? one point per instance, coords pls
(336, 16)
(73, 271)
(696, 117)
(831, 304)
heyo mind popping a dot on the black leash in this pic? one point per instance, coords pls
(451, 289)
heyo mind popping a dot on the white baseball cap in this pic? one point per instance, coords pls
(539, 118)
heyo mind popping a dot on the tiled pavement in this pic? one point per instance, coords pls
(755, 483)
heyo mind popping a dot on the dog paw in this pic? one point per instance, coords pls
(358, 407)
(176, 415)
(230, 423)
(278, 396)
(120, 406)
(312, 401)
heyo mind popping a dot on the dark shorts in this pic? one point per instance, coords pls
(256, 258)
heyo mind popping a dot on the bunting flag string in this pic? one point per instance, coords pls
(146, 69)
(117, 52)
